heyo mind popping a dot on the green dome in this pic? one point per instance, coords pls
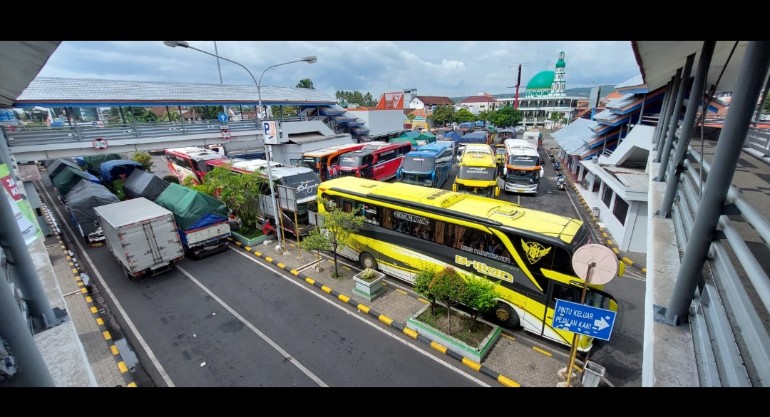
(541, 80)
(560, 63)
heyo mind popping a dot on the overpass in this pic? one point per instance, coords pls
(77, 138)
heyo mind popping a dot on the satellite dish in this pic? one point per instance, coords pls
(602, 259)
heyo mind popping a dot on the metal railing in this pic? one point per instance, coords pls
(730, 314)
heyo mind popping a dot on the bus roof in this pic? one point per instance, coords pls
(520, 147)
(333, 149)
(503, 212)
(432, 148)
(199, 153)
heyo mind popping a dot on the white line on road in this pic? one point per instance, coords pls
(362, 319)
(254, 329)
(109, 292)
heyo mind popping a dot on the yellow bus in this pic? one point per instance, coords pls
(527, 252)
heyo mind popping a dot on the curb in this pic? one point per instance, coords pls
(84, 286)
(502, 379)
(605, 236)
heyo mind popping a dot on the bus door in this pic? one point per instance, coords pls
(560, 291)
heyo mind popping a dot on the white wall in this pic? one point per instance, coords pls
(288, 153)
(381, 122)
(416, 103)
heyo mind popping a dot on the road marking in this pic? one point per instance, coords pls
(121, 310)
(374, 325)
(254, 329)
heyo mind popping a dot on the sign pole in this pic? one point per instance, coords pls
(575, 336)
(296, 230)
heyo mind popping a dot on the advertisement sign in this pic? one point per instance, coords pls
(25, 216)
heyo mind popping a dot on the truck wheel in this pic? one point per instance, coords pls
(367, 261)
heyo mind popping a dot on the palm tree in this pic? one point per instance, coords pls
(305, 83)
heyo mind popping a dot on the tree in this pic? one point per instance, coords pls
(145, 159)
(411, 117)
(443, 115)
(480, 296)
(305, 83)
(448, 286)
(316, 241)
(507, 116)
(422, 285)
(338, 225)
(464, 115)
(239, 192)
(355, 97)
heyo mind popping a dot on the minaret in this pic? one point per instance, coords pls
(558, 86)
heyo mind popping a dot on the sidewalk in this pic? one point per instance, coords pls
(513, 361)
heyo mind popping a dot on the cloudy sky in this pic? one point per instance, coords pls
(439, 68)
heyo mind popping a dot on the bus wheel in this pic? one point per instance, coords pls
(506, 316)
(367, 261)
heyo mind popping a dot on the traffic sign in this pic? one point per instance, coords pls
(583, 319)
(269, 133)
(222, 117)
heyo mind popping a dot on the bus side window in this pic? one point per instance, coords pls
(563, 292)
(347, 206)
(440, 232)
(387, 218)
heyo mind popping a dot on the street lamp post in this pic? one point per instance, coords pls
(310, 60)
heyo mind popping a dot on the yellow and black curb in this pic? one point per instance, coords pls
(77, 275)
(505, 381)
(607, 240)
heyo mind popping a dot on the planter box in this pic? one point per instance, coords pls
(248, 242)
(476, 353)
(369, 289)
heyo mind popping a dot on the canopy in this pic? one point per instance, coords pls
(94, 162)
(82, 199)
(55, 167)
(68, 177)
(118, 169)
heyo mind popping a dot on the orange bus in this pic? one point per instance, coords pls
(324, 161)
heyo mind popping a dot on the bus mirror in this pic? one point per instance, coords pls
(613, 305)
(621, 268)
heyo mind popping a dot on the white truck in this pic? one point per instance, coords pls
(141, 235)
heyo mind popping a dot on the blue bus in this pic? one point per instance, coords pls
(427, 166)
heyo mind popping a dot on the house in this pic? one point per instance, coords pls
(483, 102)
(429, 103)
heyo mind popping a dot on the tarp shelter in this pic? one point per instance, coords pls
(82, 199)
(68, 177)
(473, 137)
(143, 184)
(411, 140)
(115, 172)
(56, 166)
(452, 135)
(427, 137)
(94, 162)
(410, 134)
(192, 209)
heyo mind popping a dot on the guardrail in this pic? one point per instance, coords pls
(735, 291)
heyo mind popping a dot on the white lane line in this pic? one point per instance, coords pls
(331, 302)
(109, 292)
(254, 329)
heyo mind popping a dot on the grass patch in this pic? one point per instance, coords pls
(460, 325)
(249, 234)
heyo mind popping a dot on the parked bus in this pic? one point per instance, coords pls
(377, 160)
(523, 167)
(428, 166)
(190, 162)
(477, 171)
(408, 228)
(534, 137)
(302, 179)
(324, 161)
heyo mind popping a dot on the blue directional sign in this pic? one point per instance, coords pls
(583, 319)
(222, 117)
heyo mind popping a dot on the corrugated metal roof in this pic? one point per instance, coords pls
(573, 137)
(632, 82)
(43, 91)
(634, 180)
(621, 102)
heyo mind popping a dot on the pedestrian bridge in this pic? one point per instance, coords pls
(127, 134)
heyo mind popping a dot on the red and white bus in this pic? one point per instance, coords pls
(377, 160)
(324, 161)
(190, 162)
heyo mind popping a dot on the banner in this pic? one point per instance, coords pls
(26, 218)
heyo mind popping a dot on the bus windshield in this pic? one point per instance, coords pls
(522, 161)
(350, 161)
(309, 162)
(418, 164)
(477, 173)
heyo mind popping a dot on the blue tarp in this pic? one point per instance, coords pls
(472, 137)
(118, 169)
(452, 135)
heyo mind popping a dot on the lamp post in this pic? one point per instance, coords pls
(310, 60)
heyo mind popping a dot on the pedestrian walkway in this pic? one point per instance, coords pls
(513, 361)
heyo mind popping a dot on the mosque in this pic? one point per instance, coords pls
(545, 102)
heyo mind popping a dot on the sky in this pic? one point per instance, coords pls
(433, 68)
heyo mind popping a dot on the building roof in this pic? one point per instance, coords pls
(435, 100)
(480, 99)
(59, 92)
(541, 80)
